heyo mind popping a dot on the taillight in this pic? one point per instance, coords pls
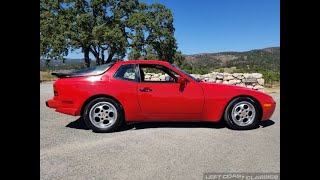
(55, 92)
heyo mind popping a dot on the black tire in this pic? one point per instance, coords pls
(118, 121)
(230, 122)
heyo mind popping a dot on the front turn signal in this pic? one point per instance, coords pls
(267, 105)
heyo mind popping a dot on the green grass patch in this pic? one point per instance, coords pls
(46, 76)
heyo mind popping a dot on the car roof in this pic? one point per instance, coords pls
(143, 62)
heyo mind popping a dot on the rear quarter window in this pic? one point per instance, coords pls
(126, 72)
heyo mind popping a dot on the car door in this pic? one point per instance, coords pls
(166, 97)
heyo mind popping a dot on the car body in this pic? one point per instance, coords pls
(183, 99)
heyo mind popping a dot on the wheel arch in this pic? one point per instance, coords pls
(99, 96)
(247, 96)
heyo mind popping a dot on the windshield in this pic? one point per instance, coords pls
(91, 71)
(185, 73)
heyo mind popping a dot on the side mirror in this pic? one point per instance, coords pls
(182, 81)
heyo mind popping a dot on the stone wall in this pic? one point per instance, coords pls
(253, 80)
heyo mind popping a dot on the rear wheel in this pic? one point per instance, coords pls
(242, 113)
(103, 115)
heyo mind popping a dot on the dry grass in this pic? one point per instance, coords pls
(273, 89)
(46, 76)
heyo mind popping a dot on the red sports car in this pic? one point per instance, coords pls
(110, 94)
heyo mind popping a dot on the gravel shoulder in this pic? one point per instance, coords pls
(68, 150)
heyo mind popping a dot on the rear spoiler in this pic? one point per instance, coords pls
(61, 75)
(68, 75)
(80, 72)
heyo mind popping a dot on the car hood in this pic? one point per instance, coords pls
(232, 89)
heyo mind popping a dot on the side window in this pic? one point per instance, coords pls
(157, 73)
(126, 72)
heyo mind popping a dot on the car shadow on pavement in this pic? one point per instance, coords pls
(147, 125)
(80, 124)
(266, 123)
(213, 125)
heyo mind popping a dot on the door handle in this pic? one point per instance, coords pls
(146, 89)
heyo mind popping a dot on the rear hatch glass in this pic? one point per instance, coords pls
(91, 71)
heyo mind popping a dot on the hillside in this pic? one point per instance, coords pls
(258, 59)
(59, 65)
(254, 60)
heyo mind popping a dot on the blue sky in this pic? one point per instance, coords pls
(204, 26)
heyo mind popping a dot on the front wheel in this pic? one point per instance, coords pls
(103, 115)
(242, 113)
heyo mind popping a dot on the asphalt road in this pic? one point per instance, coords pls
(152, 150)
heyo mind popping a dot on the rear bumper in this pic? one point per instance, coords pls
(62, 107)
(52, 103)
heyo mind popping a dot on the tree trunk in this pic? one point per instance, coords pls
(110, 56)
(95, 54)
(86, 56)
(97, 59)
(102, 57)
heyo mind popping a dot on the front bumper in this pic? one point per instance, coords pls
(268, 109)
(64, 107)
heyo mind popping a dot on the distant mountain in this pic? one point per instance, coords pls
(58, 64)
(267, 59)
(257, 59)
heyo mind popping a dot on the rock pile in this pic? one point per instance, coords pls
(253, 80)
